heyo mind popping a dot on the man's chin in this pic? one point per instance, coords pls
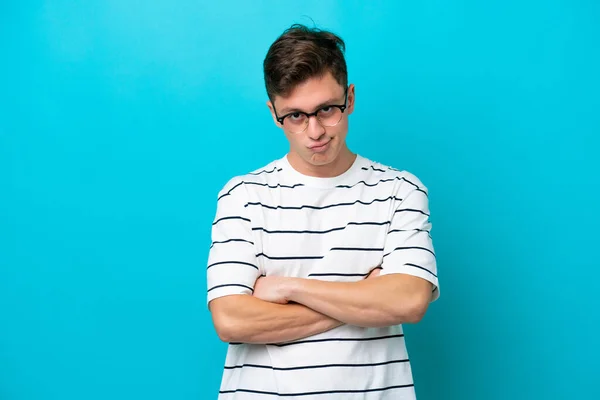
(321, 159)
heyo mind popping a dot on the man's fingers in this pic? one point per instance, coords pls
(375, 272)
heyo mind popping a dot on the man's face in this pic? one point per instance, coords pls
(317, 146)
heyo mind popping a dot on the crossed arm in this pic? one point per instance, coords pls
(285, 309)
(248, 319)
(280, 309)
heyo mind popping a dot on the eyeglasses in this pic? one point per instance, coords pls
(328, 116)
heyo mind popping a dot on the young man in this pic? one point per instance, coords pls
(319, 257)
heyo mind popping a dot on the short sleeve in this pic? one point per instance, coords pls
(409, 246)
(232, 263)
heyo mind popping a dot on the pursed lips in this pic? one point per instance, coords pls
(319, 145)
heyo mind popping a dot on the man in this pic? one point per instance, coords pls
(319, 257)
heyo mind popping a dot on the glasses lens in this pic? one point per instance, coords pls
(329, 116)
(295, 123)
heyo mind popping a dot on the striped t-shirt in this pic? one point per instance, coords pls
(276, 221)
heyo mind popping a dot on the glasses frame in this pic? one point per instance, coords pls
(342, 108)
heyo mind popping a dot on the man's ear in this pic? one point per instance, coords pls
(272, 110)
(351, 98)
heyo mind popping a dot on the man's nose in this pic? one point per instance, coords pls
(314, 129)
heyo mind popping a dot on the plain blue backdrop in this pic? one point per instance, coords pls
(120, 121)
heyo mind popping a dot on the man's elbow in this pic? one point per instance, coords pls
(222, 327)
(222, 320)
(413, 310)
(224, 330)
(415, 314)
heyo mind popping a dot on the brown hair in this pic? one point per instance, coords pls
(301, 53)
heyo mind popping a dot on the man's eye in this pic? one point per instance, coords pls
(326, 110)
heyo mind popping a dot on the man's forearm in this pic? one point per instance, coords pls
(246, 319)
(383, 301)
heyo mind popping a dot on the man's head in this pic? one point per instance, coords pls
(309, 97)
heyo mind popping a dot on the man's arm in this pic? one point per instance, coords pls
(408, 281)
(250, 319)
(383, 301)
(247, 319)
(232, 273)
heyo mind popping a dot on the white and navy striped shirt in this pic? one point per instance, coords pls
(276, 221)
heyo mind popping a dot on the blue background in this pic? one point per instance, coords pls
(120, 121)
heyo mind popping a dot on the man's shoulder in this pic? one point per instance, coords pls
(259, 176)
(381, 171)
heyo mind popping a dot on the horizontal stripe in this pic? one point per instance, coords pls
(318, 257)
(338, 186)
(336, 274)
(356, 249)
(290, 257)
(232, 217)
(386, 169)
(386, 180)
(258, 184)
(325, 231)
(360, 339)
(397, 171)
(410, 230)
(423, 268)
(368, 184)
(373, 168)
(322, 207)
(232, 262)
(411, 210)
(340, 274)
(264, 171)
(317, 366)
(231, 240)
(230, 284)
(409, 248)
(317, 393)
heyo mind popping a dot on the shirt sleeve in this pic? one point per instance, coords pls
(232, 262)
(409, 247)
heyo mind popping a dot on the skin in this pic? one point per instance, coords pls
(307, 97)
(250, 319)
(382, 301)
(284, 308)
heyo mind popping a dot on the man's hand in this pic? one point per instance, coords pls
(275, 289)
(272, 289)
(374, 273)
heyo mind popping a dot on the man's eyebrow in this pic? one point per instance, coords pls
(287, 110)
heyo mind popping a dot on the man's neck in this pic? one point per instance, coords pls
(341, 164)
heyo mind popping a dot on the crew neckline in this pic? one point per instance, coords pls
(320, 182)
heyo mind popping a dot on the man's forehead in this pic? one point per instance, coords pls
(308, 100)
